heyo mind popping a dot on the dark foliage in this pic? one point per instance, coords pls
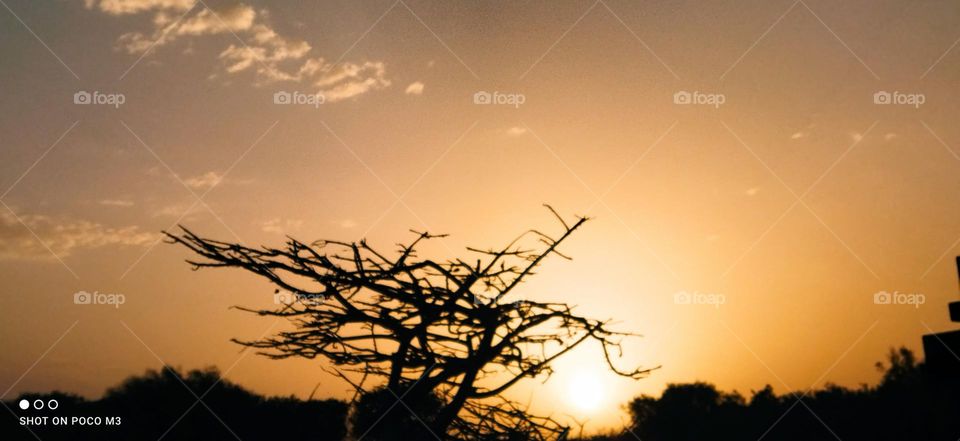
(158, 404)
(908, 404)
(380, 415)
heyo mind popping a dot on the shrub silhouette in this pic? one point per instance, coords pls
(378, 415)
(907, 404)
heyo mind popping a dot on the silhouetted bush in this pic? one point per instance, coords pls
(379, 415)
(908, 404)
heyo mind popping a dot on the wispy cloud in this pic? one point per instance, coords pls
(122, 7)
(184, 211)
(270, 56)
(205, 181)
(281, 226)
(63, 236)
(516, 131)
(116, 203)
(415, 88)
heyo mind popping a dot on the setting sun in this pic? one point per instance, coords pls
(586, 391)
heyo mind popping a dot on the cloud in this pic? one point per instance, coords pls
(63, 236)
(280, 226)
(516, 131)
(205, 181)
(268, 55)
(233, 19)
(184, 211)
(415, 88)
(115, 202)
(798, 135)
(752, 191)
(124, 7)
(170, 27)
(348, 224)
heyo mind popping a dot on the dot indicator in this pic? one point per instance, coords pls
(24, 404)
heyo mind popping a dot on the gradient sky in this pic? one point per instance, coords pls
(796, 200)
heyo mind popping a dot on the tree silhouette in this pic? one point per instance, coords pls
(422, 328)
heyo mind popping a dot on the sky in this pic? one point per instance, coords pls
(759, 174)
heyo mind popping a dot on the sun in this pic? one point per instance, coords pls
(585, 391)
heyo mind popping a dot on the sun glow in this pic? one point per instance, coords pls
(586, 391)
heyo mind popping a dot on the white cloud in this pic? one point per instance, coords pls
(281, 226)
(62, 235)
(516, 131)
(116, 202)
(236, 18)
(348, 223)
(752, 191)
(232, 18)
(123, 7)
(415, 88)
(270, 56)
(856, 136)
(889, 136)
(182, 211)
(205, 181)
(798, 135)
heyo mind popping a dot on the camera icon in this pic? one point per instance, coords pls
(81, 97)
(682, 298)
(482, 97)
(82, 298)
(682, 97)
(282, 97)
(882, 298)
(882, 97)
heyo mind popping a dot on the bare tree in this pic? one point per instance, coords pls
(423, 329)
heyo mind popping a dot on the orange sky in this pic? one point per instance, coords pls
(794, 200)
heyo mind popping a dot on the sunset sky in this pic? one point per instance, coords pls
(795, 200)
